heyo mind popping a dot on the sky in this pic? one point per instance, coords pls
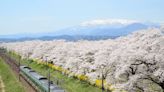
(37, 16)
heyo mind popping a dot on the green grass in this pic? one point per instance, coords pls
(69, 84)
(11, 83)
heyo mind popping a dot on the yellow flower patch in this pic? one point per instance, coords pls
(66, 71)
(50, 65)
(98, 83)
(82, 77)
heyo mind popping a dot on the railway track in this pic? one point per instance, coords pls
(15, 67)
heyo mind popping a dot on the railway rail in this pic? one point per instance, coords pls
(15, 67)
(35, 81)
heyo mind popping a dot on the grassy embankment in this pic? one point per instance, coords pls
(70, 84)
(9, 79)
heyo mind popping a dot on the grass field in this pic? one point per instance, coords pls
(10, 81)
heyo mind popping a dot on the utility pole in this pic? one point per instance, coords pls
(49, 80)
(48, 75)
(19, 66)
(102, 81)
(28, 59)
(102, 78)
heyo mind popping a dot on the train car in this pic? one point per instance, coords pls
(38, 80)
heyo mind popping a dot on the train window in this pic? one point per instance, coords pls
(43, 78)
(27, 67)
(31, 71)
(51, 82)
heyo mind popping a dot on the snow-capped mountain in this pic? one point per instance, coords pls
(108, 27)
(90, 30)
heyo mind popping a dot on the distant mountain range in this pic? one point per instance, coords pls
(91, 30)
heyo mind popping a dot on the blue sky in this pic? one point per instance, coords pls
(35, 16)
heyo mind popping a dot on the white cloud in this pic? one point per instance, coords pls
(108, 22)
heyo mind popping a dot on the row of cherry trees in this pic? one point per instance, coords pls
(133, 63)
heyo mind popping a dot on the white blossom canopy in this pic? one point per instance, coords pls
(134, 62)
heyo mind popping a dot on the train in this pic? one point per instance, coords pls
(39, 81)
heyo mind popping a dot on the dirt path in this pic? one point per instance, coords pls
(2, 86)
